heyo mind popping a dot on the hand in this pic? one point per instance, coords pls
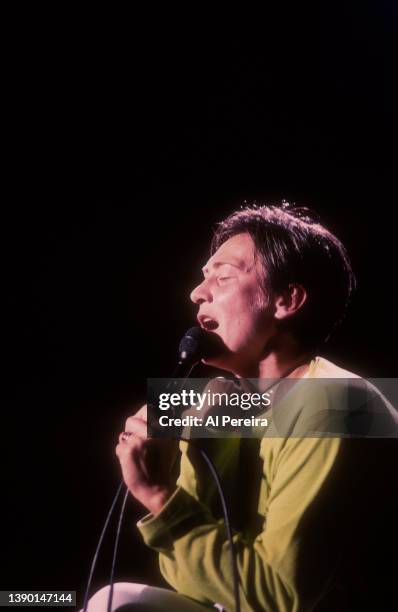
(146, 462)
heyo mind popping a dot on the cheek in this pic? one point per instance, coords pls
(241, 316)
(233, 308)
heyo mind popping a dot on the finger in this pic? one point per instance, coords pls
(137, 427)
(124, 449)
(123, 437)
(142, 413)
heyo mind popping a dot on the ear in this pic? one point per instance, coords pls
(290, 301)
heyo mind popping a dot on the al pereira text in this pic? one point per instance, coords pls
(212, 421)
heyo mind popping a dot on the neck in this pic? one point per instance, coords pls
(278, 366)
(285, 358)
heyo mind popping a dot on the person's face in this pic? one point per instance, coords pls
(233, 304)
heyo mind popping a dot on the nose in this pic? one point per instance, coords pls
(201, 293)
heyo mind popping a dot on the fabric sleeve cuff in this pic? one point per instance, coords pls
(180, 514)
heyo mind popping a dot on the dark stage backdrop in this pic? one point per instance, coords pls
(98, 289)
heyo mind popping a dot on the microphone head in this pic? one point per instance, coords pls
(198, 343)
(190, 344)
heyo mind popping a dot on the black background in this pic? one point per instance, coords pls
(177, 131)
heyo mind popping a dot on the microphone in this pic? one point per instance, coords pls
(194, 345)
(190, 351)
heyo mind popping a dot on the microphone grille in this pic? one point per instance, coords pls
(190, 342)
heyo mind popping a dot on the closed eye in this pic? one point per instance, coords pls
(221, 279)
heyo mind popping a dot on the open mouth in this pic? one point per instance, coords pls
(207, 323)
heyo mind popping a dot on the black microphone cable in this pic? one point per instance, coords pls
(115, 548)
(234, 566)
(235, 574)
(101, 539)
(191, 346)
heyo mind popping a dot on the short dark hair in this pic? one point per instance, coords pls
(295, 247)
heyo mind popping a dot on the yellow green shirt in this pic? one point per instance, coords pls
(304, 512)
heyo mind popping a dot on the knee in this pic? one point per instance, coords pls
(123, 593)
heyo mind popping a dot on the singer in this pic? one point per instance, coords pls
(314, 518)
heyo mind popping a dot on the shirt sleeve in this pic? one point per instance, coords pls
(286, 567)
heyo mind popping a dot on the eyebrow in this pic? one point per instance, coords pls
(237, 263)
